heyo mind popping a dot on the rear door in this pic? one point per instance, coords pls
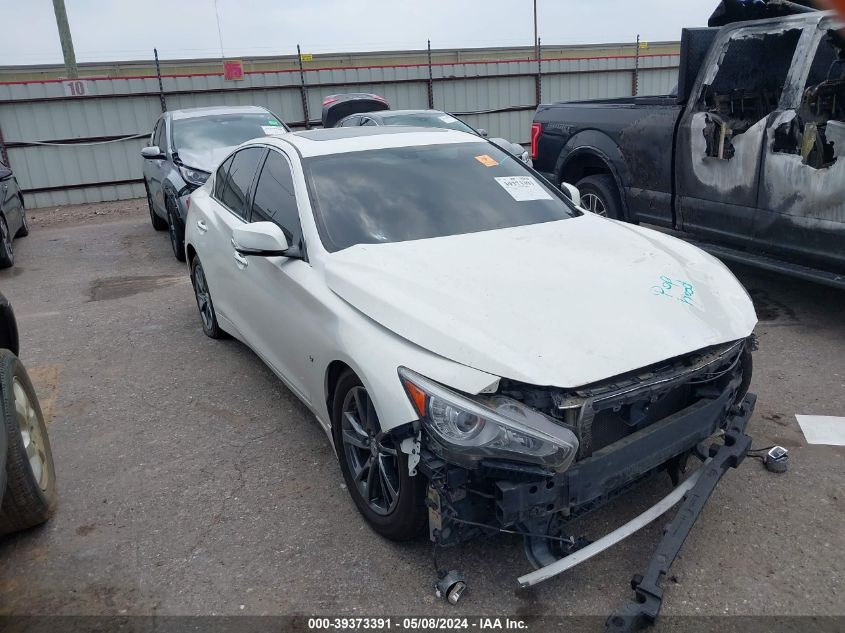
(723, 131)
(229, 208)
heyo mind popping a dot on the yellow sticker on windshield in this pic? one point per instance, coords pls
(487, 161)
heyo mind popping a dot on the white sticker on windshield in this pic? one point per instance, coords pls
(523, 188)
(447, 119)
(271, 130)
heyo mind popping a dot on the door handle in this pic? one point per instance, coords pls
(201, 226)
(240, 260)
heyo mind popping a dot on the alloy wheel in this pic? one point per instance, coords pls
(372, 456)
(203, 297)
(592, 203)
(32, 436)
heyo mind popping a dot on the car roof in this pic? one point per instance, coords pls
(385, 114)
(190, 113)
(342, 140)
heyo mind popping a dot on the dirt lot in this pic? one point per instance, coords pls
(192, 482)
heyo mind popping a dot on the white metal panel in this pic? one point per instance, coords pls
(472, 89)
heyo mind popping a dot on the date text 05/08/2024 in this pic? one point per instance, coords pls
(415, 624)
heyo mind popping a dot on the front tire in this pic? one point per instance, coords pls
(24, 230)
(30, 496)
(208, 316)
(600, 195)
(7, 253)
(373, 466)
(158, 223)
(176, 230)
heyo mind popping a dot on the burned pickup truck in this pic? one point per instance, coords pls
(748, 156)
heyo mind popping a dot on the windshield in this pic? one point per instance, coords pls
(429, 119)
(413, 193)
(222, 130)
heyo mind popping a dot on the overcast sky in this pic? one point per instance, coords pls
(129, 29)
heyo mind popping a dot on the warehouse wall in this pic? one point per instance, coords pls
(89, 157)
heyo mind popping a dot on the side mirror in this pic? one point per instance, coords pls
(260, 238)
(571, 192)
(482, 132)
(152, 152)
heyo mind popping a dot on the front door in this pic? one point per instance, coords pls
(801, 214)
(282, 314)
(723, 131)
(154, 168)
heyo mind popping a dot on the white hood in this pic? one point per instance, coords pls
(563, 303)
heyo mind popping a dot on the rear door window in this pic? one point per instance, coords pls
(241, 174)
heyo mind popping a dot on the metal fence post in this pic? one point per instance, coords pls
(303, 90)
(160, 85)
(430, 80)
(4, 155)
(635, 79)
(539, 79)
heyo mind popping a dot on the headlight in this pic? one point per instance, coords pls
(489, 426)
(194, 176)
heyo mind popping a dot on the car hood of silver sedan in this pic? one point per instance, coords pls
(205, 160)
(563, 303)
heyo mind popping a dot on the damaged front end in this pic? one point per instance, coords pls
(557, 454)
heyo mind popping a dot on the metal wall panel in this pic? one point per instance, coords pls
(497, 96)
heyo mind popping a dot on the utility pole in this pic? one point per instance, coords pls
(67, 42)
(536, 39)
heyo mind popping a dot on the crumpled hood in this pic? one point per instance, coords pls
(563, 303)
(206, 160)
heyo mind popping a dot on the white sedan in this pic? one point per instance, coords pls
(483, 354)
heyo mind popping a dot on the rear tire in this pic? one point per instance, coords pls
(600, 195)
(390, 500)
(159, 224)
(30, 496)
(7, 252)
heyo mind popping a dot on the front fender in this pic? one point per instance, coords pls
(597, 145)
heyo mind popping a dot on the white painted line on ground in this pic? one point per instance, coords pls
(823, 429)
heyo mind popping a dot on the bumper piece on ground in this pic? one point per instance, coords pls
(644, 608)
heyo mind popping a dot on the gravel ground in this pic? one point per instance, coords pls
(192, 482)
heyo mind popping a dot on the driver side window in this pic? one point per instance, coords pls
(158, 135)
(275, 199)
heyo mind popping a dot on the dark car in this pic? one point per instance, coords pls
(185, 147)
(27, 473)
(746, 156)
(357, 109)
(12, 215)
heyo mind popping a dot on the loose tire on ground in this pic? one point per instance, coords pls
(30, 496)
(600, 195)
(408, 518)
